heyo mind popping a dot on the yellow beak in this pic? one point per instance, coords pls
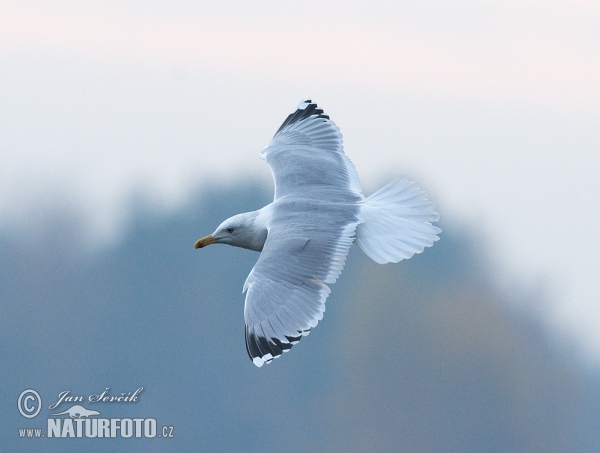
(203, 242)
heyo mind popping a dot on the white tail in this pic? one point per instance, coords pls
(396, 222)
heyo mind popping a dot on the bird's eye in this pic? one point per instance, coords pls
(230, 230)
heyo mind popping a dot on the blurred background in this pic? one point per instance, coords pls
(130, 129)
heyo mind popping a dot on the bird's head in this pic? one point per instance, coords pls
(238, 231)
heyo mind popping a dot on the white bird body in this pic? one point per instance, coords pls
(306, 232)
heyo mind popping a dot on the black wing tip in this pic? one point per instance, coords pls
(262, 350)
(306, 109)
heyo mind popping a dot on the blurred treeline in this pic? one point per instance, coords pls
(422, 356)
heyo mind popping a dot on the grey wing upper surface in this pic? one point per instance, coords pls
(312, 226)
(307, 158)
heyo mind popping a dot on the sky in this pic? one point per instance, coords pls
(493, 106)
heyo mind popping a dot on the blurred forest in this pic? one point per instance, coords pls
(421, 356)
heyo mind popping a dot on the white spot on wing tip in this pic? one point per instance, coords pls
(258, 361)
(303, 105)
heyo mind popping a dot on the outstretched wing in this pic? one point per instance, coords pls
(312, 226)
(307, 157)
(306, 247)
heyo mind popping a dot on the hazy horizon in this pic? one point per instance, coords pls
(423, 355)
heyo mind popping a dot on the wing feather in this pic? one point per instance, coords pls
(306, 156)
(286, 290)
(311, 227)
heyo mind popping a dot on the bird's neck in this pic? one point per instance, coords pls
(260, 229)
(256, 231)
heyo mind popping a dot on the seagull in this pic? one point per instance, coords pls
(305, 234)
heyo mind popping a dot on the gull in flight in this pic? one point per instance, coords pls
(304, 235)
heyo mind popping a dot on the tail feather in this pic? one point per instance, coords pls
(396, 222)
